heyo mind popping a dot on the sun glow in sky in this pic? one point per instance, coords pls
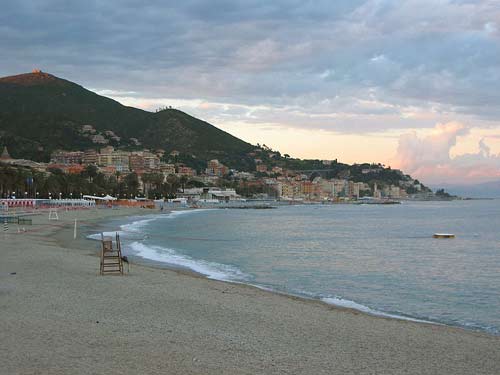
(411, 84)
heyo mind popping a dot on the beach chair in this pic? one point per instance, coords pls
(111, 257)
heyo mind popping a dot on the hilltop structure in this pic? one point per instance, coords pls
(5, 154)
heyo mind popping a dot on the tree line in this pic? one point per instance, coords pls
(27, 183)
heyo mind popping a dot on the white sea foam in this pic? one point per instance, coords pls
(174, 214)
(132, 231)
(126, 229)
(341, 302)
(135, 227)
(211, 270)
(97, 236)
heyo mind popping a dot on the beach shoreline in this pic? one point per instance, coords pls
(203, 325)
(119, 224)
(65, 239)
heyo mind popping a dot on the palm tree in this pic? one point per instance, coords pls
(183, 181)
(132, 182)
(146, 179)
(173, 183)
(90, 172)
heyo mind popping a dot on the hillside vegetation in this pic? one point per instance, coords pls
(40, 113)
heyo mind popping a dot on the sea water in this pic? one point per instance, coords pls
(380, 259)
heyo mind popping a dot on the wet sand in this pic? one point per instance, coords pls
(58, 316)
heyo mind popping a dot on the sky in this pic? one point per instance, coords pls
(411, 84)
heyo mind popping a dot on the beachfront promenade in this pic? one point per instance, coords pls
(57, 316)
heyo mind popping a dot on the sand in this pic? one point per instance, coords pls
(58, 316)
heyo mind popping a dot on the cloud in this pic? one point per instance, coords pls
(325, 60)
(428, 157)
(415, 152)
(346, 67)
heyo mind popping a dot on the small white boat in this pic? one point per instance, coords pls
(443, 235)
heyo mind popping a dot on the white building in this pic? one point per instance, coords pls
(210, 194)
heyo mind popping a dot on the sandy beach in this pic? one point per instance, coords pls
(58, 316)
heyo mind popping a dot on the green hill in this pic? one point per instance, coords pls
(40, 113)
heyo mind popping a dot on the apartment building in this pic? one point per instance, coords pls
(67, 157)
(90, 157)
(186, 171)
(216, 168)
(167, 169)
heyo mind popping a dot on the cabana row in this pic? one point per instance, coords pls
(17, 202)
(34, 203)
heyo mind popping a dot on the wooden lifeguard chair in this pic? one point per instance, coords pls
(111, 258)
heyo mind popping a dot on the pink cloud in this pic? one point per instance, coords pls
(428, 158)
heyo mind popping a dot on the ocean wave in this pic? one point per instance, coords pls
(136, 226)
(169, 256)
(341, 302)
(97, 236)
(174, 214)
(128, 229)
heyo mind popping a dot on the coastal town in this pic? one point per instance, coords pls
(150, 171)
(250, 187)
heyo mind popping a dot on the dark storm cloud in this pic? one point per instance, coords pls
(333, 65)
